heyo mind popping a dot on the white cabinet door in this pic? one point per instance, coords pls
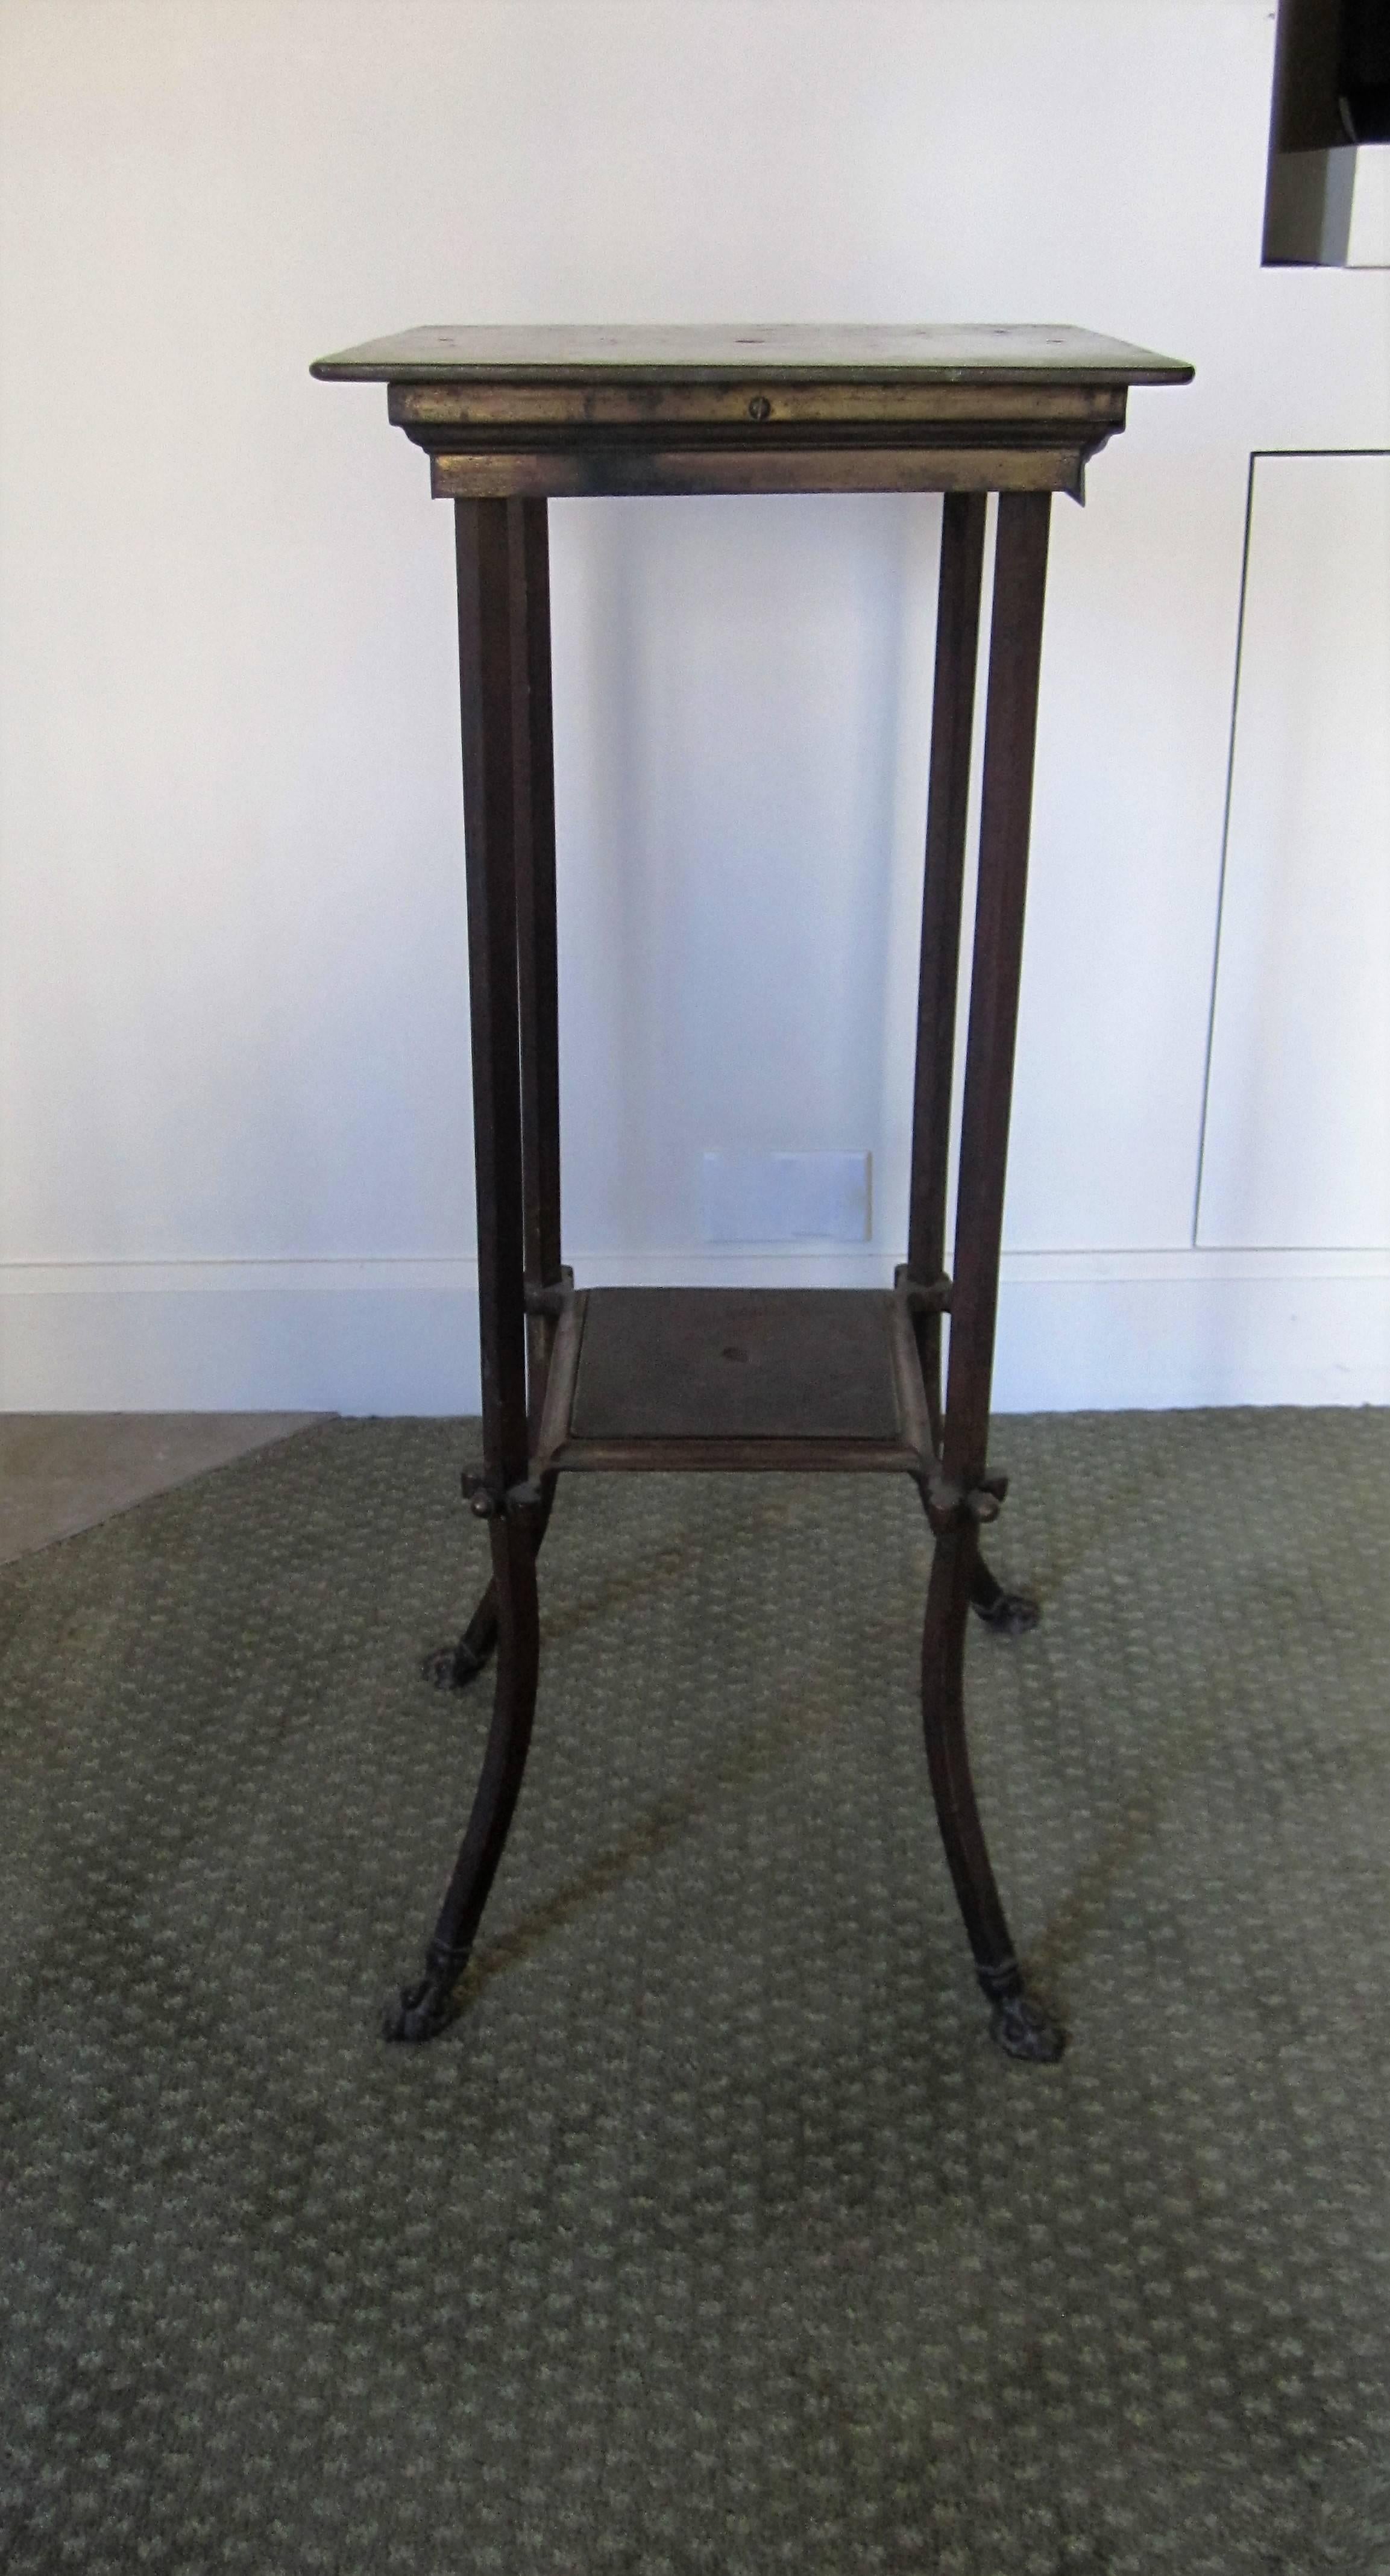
(1297, 1140)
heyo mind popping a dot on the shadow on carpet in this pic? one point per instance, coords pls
(715, 2235)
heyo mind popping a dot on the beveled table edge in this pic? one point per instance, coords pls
(401, 358)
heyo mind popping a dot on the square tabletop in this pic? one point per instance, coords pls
(702, 353)
(544, 410)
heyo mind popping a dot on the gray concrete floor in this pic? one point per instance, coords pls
(62, 1472)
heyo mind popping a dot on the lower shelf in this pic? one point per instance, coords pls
(736, 1378)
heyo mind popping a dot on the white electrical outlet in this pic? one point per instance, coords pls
(786, 1198)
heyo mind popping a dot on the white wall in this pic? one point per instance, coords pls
(1297, 1145)
(234, 1137)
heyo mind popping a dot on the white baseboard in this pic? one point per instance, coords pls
(1077, 1331)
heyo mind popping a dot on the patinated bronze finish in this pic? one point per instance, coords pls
(712, 1378)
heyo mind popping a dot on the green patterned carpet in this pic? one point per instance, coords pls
(715, 2236)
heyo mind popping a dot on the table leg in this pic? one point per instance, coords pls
(1008, 1613)
(948, 800)
(948, 797)
(533, 770)
(511, 1504)
(1015, 647)
(539, 991)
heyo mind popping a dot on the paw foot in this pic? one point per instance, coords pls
(421, 2011)
(1023, 2030)
(1011, 1614)
(453, 1667)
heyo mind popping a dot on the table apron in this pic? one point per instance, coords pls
(578, 473)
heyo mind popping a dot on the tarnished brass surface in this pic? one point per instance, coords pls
(442, 351)
(575, 472)
(545, 413)
(753, 404)
(564, 411)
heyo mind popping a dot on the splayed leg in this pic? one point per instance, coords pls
(1018, 2024)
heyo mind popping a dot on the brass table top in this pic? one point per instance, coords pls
(943, 352)
(569, 409)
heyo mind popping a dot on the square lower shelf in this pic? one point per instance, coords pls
(736, 1378)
